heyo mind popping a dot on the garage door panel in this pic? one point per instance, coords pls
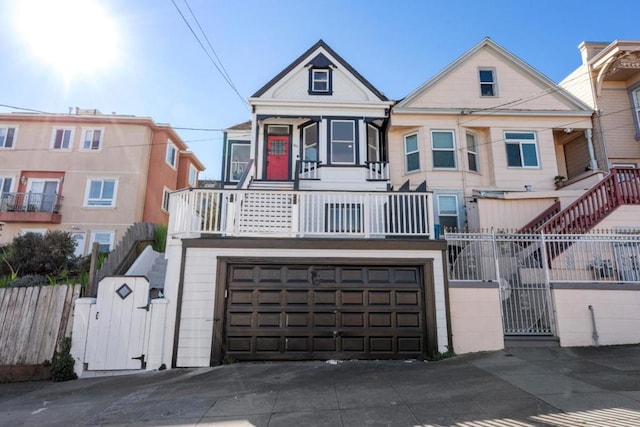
(338, 312)
(242, 274)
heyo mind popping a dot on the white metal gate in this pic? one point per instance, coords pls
(119, 324)
(518, 263)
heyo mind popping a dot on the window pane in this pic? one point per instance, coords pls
(9, 137)
(342, 152)
(240, 153)
(342, 131)
(413, 162)
(448, 222)
(471, 142)
(95, 189)
(442, 139)
(443, 159)
(447, 205)
(473, 162)
(513, 155)
(57, 143)
(107, 189)
(486, 76)
(311, 134)
(529, 154)
(527, 135)
(372, 144)
(411, 143)
(486, 89)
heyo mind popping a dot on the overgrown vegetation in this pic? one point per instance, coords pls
(160, 238)
(62, 363)
(35, 260)
(441, 356)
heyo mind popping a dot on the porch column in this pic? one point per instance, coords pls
(593, 164)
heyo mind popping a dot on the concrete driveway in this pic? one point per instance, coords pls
(515, 388)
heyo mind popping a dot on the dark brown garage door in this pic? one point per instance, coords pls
(285, 312)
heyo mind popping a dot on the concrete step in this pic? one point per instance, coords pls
(530, 341)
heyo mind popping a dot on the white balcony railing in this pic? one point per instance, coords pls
(301, 213)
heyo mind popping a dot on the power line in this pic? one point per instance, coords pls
(226, 79)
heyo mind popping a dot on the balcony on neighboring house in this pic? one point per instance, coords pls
(302, 214)
(31, 207)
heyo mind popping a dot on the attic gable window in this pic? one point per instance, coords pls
(488, 83)
(320, 75)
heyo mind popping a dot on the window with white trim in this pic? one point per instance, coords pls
(92, 139)
(320, 81)
(443, 148)
(62, 139)
(472, 152)
(104, 240)
(165, 199)
(79, 240)
(411, 153)
(101, 193)
(448, 211)
(373, 143)
(7, 136)
(193, 176)
(522, 150)
(310, 142)
(343, 142)
(5, 184)
(172, 154)
(488, 84)
(240, 153)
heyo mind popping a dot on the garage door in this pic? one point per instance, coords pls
(294, 312)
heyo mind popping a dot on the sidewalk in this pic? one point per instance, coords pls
(519, 387)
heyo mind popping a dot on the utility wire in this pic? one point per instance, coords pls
(226, 79)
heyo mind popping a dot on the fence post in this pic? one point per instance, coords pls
(546, 265)
(92, 288)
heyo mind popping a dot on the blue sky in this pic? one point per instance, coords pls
(160, 71)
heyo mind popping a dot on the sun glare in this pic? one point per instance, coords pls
(74, 36)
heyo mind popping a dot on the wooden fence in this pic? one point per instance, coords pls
(33, 322)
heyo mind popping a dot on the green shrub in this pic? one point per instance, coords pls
(29, 280)
(160, 238)
(47, 255)
(62, 363)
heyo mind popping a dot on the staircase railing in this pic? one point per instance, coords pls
(620, 187)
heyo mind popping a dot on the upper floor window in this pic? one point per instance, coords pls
(5, 185)
(101, 193)
(488, 83)
(62, 139)
(193, 176)
(239, 160)
(411, 153)
(522, 150)
(320, 81)
(92, 139)
(7, 136)
(472, 151)
(635, 99)
(310, 142)
(343, 142)
(172, 154)
(373, 143)
(444, 149)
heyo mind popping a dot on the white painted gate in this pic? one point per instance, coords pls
(119, 324)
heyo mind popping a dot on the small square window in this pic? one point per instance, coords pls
(101, 193)
(92, 139)
(488, 85)
(522, 151)
(7, 136)
(320, 81)
(62, 139)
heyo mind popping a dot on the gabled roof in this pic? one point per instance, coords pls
(241, 126)
(308, 56)
(505, 54)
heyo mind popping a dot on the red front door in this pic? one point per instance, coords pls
(278, 157)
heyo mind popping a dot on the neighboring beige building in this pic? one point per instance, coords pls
(489, 134)
(609, 81)
(90, 174)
